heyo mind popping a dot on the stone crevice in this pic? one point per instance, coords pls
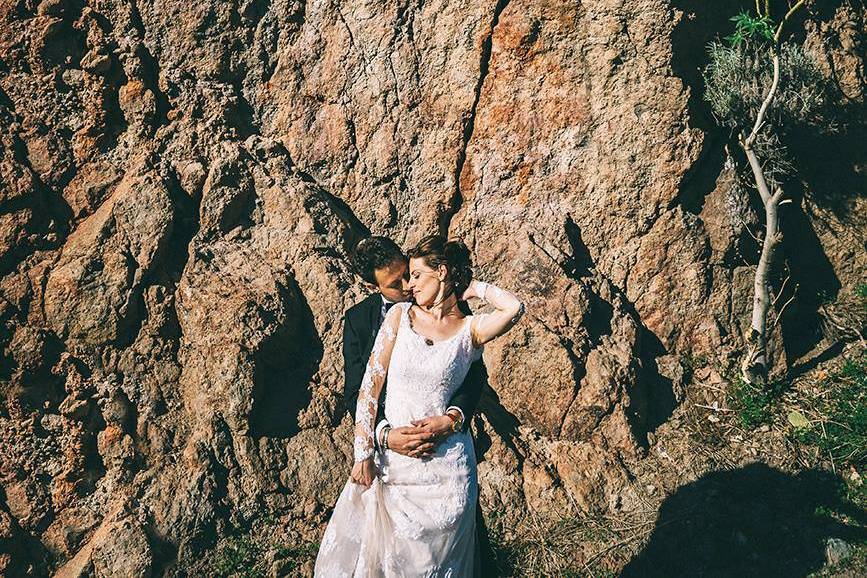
(469, 123)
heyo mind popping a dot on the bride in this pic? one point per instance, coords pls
(404, 516)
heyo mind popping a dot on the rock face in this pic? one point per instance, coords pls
(181, 185)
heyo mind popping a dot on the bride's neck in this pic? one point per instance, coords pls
(443, 306)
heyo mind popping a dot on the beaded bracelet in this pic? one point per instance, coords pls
(385, 431)
(456, 422)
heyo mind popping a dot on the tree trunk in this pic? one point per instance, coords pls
(755, 365)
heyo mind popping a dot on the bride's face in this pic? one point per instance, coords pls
(425, 282)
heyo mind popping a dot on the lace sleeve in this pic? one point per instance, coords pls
(371, 385)
(508, 310)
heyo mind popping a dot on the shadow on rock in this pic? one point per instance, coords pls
(812, 273)
(657, 391)
(754, 521)
(699, 24)
(285, 365)
(501, 421)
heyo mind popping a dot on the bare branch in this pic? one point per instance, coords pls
(780, 293)
(761, 183)
(780, 314)
(788, 15)
(743, 259)
(711, 407)
(760, 118)
(747, 229)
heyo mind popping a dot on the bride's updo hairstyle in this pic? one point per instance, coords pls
(436, 251)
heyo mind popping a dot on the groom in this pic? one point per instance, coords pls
(385, 271)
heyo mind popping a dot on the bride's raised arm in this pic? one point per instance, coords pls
(508, 309)
(368, 396)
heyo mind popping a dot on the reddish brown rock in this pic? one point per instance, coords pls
(93, 293)
(181, 186)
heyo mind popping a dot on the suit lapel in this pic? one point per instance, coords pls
(374, 304)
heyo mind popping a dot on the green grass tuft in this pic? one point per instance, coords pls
(755, 405)
(244, 555)
(298, 554)
(238, 556)
(840, 430)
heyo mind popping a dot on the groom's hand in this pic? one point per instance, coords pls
(439, 425)
(411, 441)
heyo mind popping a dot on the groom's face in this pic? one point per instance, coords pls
(393, 281)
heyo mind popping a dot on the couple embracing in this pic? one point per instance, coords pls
(410, 505)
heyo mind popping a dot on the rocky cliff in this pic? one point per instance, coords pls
(181, 185)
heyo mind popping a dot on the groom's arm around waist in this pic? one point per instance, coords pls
(466, 398)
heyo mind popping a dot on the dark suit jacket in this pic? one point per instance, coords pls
(360, 327)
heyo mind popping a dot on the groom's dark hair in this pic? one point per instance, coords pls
(375, 253)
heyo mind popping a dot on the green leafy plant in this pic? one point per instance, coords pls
(248, 555)
(750, 28)
(240, 557)
(298, 554)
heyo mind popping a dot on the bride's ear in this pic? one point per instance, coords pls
(442, 272)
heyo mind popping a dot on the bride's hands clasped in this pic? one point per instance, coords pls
(363, 472)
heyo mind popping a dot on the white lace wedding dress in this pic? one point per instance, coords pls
(418, 516)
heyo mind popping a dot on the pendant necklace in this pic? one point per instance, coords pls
(428, 341)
